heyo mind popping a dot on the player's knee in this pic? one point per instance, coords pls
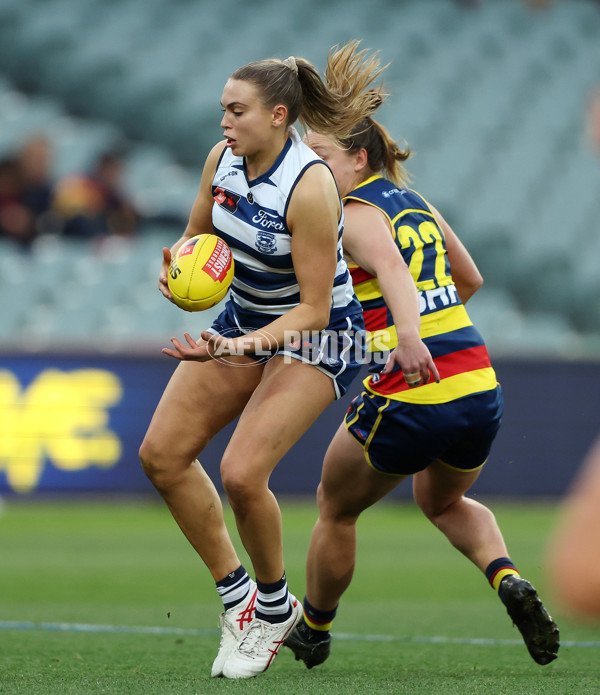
(241, 495)
(151, 463)
(324, 499)
(431, 507)
(239, 483)
(161, 467)
(334, 508)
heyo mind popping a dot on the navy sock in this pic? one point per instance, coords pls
(497, 570)
(234, 587)
(273, 601)
(315, 624)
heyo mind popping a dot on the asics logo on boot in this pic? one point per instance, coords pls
(247, 615)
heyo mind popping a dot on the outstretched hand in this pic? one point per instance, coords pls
(193, 351)
(210, 346)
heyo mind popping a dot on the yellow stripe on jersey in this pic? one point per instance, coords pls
(382, 340)
(436, 323)
(450, 388)
(367, 290)
(444, 321)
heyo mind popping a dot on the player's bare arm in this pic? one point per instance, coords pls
(465, 273)
(378, 254)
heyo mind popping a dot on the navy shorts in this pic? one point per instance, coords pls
(404, 438)
(338, 351)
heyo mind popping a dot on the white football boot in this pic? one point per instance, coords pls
(234, 624)
(259, 645)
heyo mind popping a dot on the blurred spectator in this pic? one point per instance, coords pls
(95, 204)
(26, 191)
(35, 162)
(16, 221)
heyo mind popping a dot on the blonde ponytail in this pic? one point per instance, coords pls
(384, 154)
(334, 107)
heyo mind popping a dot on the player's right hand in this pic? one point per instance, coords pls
(162, 278)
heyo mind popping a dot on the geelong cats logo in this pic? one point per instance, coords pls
(266, 242)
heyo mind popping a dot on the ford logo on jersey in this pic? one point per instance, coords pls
(268, 220)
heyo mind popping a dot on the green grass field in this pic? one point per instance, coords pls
(109, 598)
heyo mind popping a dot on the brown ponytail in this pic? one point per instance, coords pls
(334, 106)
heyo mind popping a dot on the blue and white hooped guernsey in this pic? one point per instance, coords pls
(251, 217)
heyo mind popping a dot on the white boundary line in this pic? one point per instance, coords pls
(142, 630)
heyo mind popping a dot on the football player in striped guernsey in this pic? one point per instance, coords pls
(286, 345)
(411, 274)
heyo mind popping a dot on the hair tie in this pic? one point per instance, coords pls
(291, 64)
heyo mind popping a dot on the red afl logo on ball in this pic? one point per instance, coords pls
(188, 248)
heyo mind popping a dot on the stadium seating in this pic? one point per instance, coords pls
(490, 96)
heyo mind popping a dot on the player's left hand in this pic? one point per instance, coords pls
(416, 362)
(208, 347)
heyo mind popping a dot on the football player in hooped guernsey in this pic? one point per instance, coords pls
(403, 254)
(284, 347)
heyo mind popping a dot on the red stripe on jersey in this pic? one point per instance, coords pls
(376, 319)
(448, 365)
(359, 275)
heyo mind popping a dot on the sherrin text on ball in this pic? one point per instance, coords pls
(200, 273)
